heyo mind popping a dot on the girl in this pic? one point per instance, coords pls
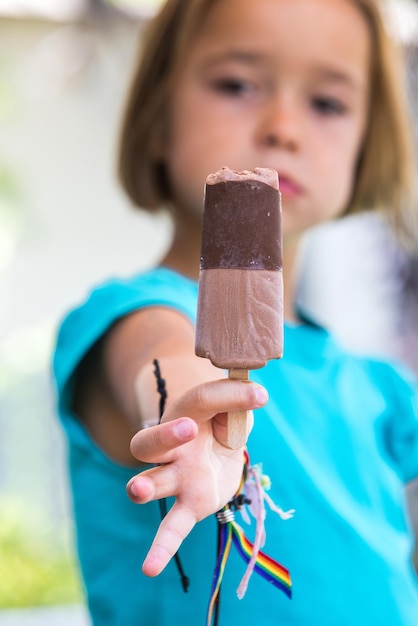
(311, 89)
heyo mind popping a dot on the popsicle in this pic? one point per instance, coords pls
(239, 324)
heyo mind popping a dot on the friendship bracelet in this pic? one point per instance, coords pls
(251, 492)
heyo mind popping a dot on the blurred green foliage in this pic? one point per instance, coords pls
(33, 570)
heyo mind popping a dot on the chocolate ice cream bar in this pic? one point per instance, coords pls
(240, 305)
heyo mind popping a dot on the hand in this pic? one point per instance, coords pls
(195, 465)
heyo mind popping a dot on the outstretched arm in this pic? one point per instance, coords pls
(118, 401)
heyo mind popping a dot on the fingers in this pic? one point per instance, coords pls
(185, 447)
(153, 484)
(155, 444)
(175, 527)
(221, 396)
(221, 426)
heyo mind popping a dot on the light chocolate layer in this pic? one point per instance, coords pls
(240, 317)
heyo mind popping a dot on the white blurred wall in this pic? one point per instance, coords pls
(64, 226)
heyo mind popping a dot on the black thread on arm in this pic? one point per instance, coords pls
(162, 390)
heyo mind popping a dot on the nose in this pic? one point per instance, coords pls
(280, 124)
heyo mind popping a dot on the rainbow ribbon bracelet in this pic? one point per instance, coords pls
(252, 492)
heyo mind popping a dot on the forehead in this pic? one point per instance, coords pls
(289, 32)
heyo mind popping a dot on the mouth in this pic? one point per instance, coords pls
(289, 187)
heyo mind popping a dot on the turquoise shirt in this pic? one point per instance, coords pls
(338, 438)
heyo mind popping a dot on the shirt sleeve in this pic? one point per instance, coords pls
(85, 325)
(403, 430)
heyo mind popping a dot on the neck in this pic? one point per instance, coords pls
(183, 256)
(290, 276)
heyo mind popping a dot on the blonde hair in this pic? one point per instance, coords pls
(385, 169)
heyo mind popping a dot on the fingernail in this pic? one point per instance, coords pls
(183, 429)
(261, 395)
(131, 488)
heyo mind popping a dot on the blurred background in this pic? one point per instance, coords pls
(65, 226)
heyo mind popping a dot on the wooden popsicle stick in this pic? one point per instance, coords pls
(237, 424)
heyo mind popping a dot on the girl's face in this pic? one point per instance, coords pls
(280, 84)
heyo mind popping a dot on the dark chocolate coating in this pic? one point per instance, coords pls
(241, 226)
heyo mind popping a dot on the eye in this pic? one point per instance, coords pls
(326, 105)
(233, 86)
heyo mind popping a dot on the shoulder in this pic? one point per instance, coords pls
(159, 286)
(109, 302)
(384, 372)
(376, 394)
(320, 355)
(393, 377)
